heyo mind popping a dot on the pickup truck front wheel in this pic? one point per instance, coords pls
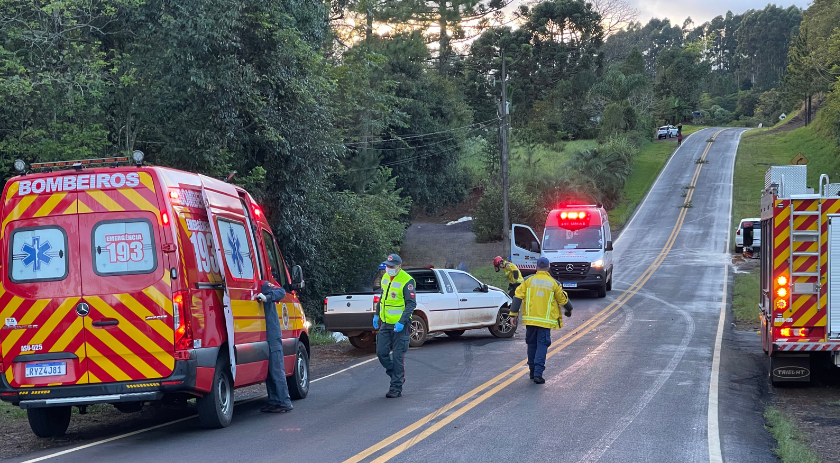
(505, 326)
(419, 331)
(363, 341)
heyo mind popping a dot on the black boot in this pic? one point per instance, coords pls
(532, 374)
(393, 394)
(539, 380)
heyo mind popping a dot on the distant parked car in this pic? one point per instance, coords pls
(666, 131)
(739, 234)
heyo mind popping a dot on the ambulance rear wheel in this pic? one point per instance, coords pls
(298, 382)
(739, 249)
(215, 409)
(49, 422)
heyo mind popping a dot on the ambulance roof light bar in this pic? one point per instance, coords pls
(80, 164)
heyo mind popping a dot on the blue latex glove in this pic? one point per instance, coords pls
(398, 327)
(376, 322)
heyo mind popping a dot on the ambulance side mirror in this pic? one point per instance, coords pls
(297, 278)
(535, 247)
(609, 246)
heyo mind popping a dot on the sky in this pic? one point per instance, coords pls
(702, 10)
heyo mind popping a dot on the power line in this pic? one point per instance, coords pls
(408, 137)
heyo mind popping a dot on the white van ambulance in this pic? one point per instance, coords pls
(578, 243)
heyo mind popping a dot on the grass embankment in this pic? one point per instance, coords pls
(793, 444)
(760, 149)
(646, 168)
(489, 276)
(548, 159)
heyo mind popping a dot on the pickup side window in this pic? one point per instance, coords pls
(38, 254)
(124, 247)
(465, 283)
(237, 249)
(447, 283)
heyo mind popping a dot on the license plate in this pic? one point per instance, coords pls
(36, 370)
(570, 285)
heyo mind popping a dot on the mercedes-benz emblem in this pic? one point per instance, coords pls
(570, 268)
(82, 309)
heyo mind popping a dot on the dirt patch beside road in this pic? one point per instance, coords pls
(103, 421)
(441, 245)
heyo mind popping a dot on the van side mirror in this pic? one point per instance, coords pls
(485, 289)
(609, 246)
(535, 247)
(297, 278)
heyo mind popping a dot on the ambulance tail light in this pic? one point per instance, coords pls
(181, 321)
(376, 299)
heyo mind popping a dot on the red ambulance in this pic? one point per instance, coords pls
(125, 284)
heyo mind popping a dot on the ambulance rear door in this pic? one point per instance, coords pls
(126, 280)
(43, 337)
(235, 246)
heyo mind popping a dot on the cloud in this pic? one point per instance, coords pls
(678, 10)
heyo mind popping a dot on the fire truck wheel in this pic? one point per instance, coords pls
(505, 326)
(602, 291)
(298, 382)
(49, 422)
(363, 341)
(215, 409)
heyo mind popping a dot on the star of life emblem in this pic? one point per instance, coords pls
(236, 251)
(35, 254)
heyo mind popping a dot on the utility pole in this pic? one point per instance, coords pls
(504, 161)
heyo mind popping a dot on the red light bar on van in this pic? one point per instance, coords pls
(79, 163)
(574, 220)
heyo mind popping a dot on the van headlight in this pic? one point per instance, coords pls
(598, 263)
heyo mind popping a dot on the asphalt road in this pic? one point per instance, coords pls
(628, 378)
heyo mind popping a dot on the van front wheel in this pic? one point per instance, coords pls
(602, 290)
(49, 422)
(215, 409)
(298, 382)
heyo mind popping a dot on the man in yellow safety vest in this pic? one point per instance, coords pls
(512, 273)
(542, 297)
(396, 304)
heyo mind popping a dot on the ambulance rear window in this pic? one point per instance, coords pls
(38, 254)
(236, 246)
(124, 247)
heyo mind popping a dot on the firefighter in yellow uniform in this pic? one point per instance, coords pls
(541, 296)
(512, 273)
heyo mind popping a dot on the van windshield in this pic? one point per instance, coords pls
(586, 238)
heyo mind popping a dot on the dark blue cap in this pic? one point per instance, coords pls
(543, 262)
(393, 260)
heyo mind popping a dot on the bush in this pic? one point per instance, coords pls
(487, 223)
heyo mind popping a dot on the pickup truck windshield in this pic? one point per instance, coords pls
(585, 238)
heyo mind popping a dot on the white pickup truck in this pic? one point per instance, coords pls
(451, 301)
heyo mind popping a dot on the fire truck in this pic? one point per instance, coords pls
(125, 284)
(800, 273)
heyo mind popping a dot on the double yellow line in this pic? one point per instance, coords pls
(495, 385)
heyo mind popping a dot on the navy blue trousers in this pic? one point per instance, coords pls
(538, 339)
